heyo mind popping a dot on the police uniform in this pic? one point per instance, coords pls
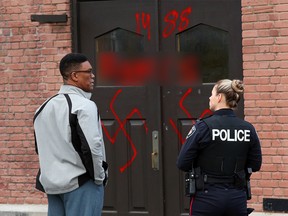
(223, 146)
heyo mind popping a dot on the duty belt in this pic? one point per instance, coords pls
(218, 179)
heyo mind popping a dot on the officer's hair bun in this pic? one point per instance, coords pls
(237, 86)
(232, 89)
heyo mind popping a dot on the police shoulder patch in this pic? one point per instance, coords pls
(191, 132)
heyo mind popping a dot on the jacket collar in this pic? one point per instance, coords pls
(226, 112)
(69, 89)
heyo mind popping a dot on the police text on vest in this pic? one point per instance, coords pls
(231, 135)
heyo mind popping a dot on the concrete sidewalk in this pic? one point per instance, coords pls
(23, 210)
(41, 210)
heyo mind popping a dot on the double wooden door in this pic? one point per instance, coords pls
(155, 63)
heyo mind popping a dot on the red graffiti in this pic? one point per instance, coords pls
(182, 140)
(112, 139)
(119, 69)
(188, 70)
(145, 23)
(171, 20)
(181, 103)
(184, 20)
(204, 113)
(143, 20)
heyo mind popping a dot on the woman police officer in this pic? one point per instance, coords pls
(222, 146)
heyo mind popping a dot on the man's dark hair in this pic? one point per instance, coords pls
(71, 62)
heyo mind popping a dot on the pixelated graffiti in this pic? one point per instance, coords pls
(173, 20)
(120, 69)
(173, 124)
(142, 69)
(121, 127)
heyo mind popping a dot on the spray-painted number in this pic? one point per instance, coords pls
(171, 19)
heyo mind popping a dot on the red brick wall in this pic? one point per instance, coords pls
(265, 55)
(29, 56)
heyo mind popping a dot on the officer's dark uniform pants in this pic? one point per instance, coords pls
(219, 200)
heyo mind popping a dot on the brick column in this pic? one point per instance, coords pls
(29, 56)
(265, 47)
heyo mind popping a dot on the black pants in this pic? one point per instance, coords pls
(219, 200)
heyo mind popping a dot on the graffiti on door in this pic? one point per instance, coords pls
(136, 111)
(165, 69)
(121, 127)
(143, 21)
(189, 116)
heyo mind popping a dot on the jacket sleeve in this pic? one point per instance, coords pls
(90, 124)
(194, 140)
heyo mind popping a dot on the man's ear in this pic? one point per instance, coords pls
(74, 76)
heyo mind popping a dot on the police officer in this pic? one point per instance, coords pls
(221, 147)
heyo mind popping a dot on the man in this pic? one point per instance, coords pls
(69, 143)
(222, 148)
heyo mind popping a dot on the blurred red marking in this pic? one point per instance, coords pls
(117, 69)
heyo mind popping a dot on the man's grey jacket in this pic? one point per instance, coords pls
(69, 141)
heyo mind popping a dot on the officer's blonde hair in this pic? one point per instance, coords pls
(232, 89)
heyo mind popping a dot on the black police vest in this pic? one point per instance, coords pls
(228, 150)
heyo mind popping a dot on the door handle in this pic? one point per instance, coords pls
(155, 150)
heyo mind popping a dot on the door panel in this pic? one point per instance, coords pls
(134, 187)
(196, 42)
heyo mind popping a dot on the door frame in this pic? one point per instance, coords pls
(165, 174)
